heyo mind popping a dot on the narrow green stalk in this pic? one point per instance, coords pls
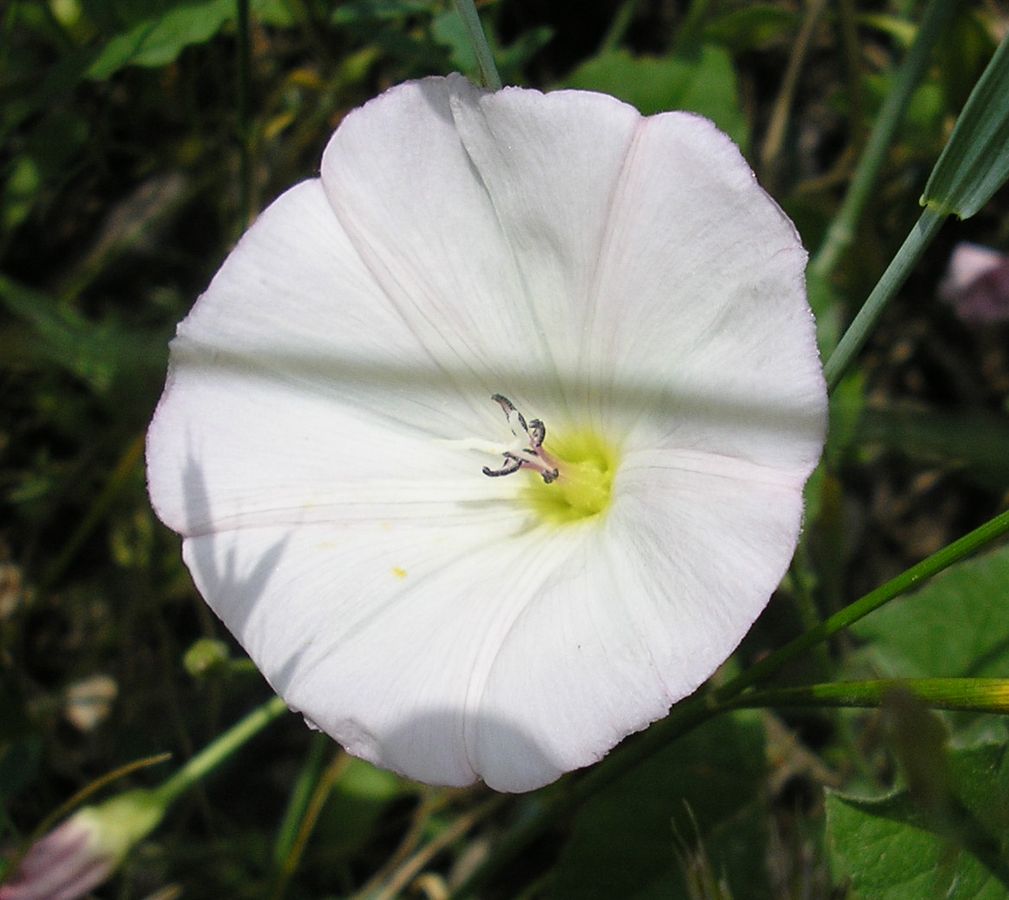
(770, 150)
(215, 753)
(244, 116)
(313, 809)
(851, 54)
(966, 694)
(842, 229)
(691, 31)
(301, 796)
(67, 807)
(932, 565)
(618, 27)
(484, 57)
(891, 281)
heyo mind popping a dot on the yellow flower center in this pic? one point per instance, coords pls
(586, 466)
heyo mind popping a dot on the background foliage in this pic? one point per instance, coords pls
(138, 137)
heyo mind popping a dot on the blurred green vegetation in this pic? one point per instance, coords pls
(133, 142)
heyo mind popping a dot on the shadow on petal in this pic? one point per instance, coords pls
(745, 405)
(495, 751)
(214, 580)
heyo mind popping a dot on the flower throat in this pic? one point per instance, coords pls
(575, 475)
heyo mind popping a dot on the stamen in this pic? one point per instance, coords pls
(512, 464)
(533, 456)
(538, 432)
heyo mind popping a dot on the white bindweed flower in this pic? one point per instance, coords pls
(605, 314)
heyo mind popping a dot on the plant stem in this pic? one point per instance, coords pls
(932, 565)
(300, 798)
(842, 228)
(313, 809)
(215, 753)
(966, 694)
(401, 878)
(484, 57)
(770, 150)
(891, 281)
(618, 27)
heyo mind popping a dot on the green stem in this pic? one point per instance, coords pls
(932, 565)
(484, 57)
(301, 796)
(966, 694)
(895, 275)
(313, 809)
(842, 229)
(770, 151)
(215, 753)
(618, 27)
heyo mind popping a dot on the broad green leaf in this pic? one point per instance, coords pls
(158, 40)
(891, 848)
(627, 841)
(704, 83)
(975, 162)
(956, 625)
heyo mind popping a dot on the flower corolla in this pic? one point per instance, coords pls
(489, 444)
(85, 849)
(977, 284)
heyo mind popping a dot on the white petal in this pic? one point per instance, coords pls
(551, 164)
(303, 395)
(638, 615)
(403, 186)
(702, 322)
(383, 636)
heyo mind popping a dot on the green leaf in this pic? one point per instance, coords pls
(975, 162)
(891, 848)
(956, 625)
(159, 39)
(704, 83)
(626, 840)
